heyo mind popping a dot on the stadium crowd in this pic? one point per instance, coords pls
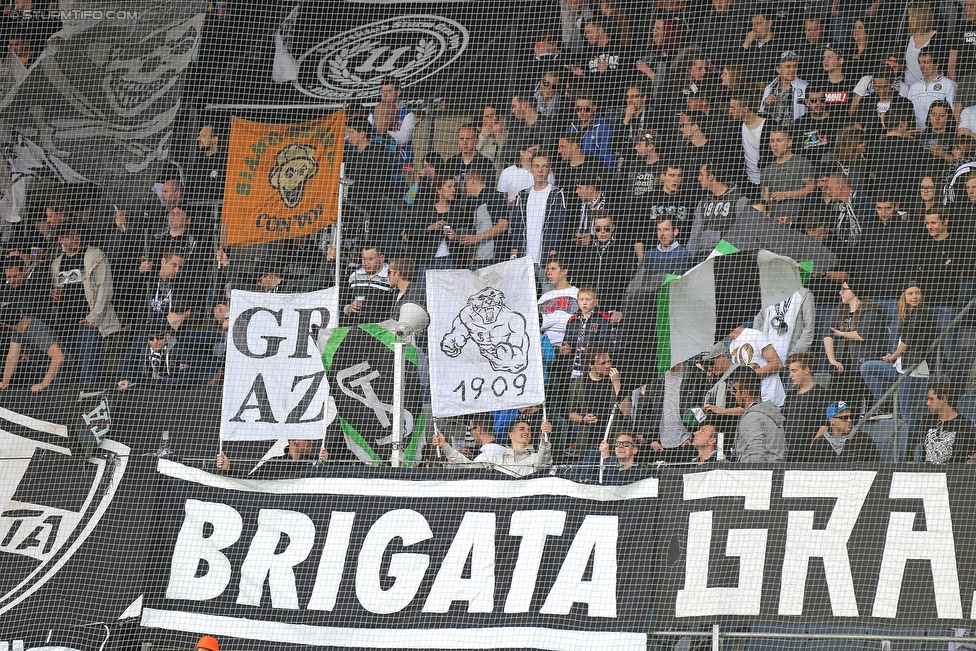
(633, 137)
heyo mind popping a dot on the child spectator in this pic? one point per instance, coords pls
(584, 328)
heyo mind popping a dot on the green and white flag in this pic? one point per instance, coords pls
(359, 365)
(700, 307)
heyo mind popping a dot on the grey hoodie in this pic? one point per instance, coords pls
(760, 436)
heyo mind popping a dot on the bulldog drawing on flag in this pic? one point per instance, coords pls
(498, 332)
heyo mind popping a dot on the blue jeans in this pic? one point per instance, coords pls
(395, 222)
(85, 348)
(879, 376)
(944, 314)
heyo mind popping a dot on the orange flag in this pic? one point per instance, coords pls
(282, 179)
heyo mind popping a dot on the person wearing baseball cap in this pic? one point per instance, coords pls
(782, 100)
(719, 399)
(698, 98)
(835, 443)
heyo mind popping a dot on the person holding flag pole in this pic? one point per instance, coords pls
(601, 386)
(520, 459)
(606, 434)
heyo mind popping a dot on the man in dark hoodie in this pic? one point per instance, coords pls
(760, 436)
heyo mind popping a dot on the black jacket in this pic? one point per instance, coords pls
(859, 449)
(608, 267)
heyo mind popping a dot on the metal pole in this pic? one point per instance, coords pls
(820, 636)
(606, 435)
(894, 424)
(545, 419)
(399, 357)
(337, 232)
(716, 638)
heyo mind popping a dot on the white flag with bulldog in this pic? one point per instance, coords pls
(274, 381)
(485, 351)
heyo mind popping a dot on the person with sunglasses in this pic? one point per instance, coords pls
(160, 361)
(815, 133)
(608, 264)
(622, 468)
(834, 442)
(548, 97)
(595, 132)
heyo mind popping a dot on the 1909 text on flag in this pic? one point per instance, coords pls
(485, 349)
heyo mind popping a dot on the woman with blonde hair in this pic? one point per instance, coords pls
(922, 35)
(916, 332)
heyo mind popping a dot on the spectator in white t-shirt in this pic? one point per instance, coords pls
(558, 305)
(538, 220)
(515, 178)
(743, 108)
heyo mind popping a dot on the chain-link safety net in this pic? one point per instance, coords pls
(457, 324)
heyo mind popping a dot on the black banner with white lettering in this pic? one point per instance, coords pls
(72, 537)
(840, 546)
(347, 556)
(354, 561)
